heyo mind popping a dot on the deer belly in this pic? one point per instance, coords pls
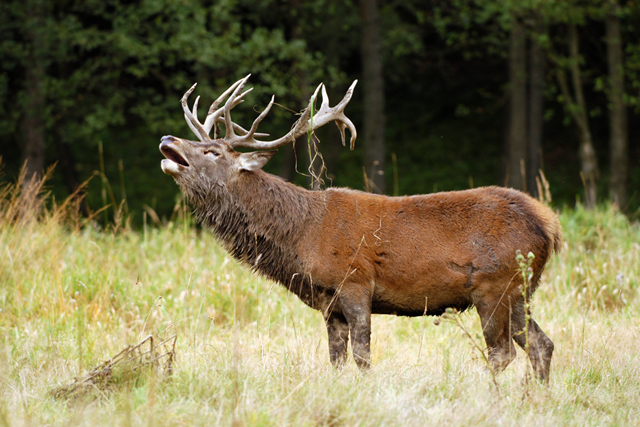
(421, 297)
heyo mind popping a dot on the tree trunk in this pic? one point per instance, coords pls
(33, 121)
(537, 68)
(373, 89)
(578, 110)
(518, 105)
(67, 165)
(618, 115)
(33, 124)
(588, 159)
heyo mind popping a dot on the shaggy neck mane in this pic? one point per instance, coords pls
(259, 218)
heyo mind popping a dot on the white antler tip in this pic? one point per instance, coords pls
(245, 79)
(195, 107)
(186, 95)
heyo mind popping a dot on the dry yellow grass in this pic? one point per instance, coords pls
(249, 353)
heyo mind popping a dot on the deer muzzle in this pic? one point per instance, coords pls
(175, 161)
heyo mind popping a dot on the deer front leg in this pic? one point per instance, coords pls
(355, 303)
(338, 330)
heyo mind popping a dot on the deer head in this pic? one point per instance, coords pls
(199, 167)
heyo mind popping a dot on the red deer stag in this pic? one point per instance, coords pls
(350, 254)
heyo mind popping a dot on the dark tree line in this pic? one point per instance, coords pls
(452, 93)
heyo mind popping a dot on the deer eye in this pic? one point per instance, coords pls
(212, 153)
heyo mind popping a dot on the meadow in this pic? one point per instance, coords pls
(74, 292)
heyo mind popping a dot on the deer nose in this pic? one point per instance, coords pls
(168, 139)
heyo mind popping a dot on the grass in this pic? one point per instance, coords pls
(250, 353)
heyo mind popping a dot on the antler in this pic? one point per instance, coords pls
(307, 122)
(202, 130)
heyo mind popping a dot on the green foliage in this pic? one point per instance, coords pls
(599, 266)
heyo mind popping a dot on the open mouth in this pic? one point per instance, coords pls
(172, 155)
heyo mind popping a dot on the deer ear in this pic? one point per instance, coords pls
(255, 160)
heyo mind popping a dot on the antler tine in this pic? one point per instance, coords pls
(191, 119)
(231, 102)
(348, 124)
(305, 122)
(194, 110)
(217, 116)
(213, 116)
(347, 96)
(216, 103)
(325, 99)
(256, 122)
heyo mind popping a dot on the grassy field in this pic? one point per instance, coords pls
(249, 353)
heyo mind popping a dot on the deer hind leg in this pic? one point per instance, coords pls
(540, 348)
(495, 322)
(355, 303)
(338, 330)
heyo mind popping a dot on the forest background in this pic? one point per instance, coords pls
(452, 94)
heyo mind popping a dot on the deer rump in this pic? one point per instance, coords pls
(350, 254)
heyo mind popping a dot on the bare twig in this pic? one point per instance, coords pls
(129, 363)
